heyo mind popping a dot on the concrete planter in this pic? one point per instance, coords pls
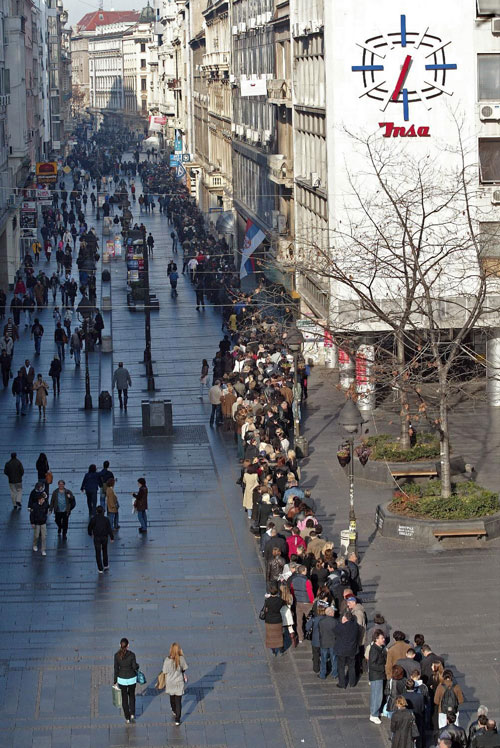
(422, 531)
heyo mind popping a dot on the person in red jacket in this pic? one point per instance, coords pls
(294, 541)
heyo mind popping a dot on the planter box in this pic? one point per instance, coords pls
(410, 529)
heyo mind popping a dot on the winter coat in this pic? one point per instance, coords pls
(250, 481)
(347, 639)
(313, 623)
(100, 527)
(90, 482)
(111, 500)
(125, 667)
(327, 631)
(55, 368)
(394, 653)
(38, 514)
(121, 379)
(402, 721)
(376, 662)
(14, 470)
(174, 677)
(141, 499)
(41, 388)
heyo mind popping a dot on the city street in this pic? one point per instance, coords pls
(196, 577)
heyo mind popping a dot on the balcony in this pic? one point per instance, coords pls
(216, 60)
(279, 91)
(280, 170)
(214, 181)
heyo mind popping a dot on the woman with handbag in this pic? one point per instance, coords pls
(126, 668)
(43, 471)
(174, 669)
(403, 726)
(42, 390)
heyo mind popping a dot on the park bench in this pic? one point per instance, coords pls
(480, 533)
(414, 473)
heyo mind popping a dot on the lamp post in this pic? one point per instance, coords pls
(147, 318)
(351, 420)
(294, 342)
(85, 310)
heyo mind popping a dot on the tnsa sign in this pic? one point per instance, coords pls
(393, 131)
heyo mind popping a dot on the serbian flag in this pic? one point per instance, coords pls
(253, 238)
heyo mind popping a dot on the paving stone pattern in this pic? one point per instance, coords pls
(195, 578)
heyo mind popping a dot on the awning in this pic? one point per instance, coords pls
(225, 223)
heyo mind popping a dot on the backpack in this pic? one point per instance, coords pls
(449, 702)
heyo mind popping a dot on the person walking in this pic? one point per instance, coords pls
(55, 373)
(14, 471)
(112, 503)
(37, 334)
(60, 339)
(62, 503)
(173, 236)
(5, 366)
(122, 381)
(174, 668)
(125, 668)
(104, 475)
(141, 504)
(29, 373)
(76, 345)
(41, 388)
(38, 507)
(90, 485)
(376, 674)
(151, 243)
(20, 389)
(100, 529)
(98, 326)
(204, 377)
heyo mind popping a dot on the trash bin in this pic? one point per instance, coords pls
(344, 541)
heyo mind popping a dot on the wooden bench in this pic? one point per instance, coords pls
(411, 473)
(479, 533)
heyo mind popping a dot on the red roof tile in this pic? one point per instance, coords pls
(90, 21)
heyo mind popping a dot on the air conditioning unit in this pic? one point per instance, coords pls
(495, 25)
(233, 127)
(252, 23)
(316, 26)
(315, 179)
(268, 136)
(240, 130)
(242, 27)
(235, 30)
(279, 222)
(248, 133)
(267, 16)
(489, 111)
(495, 197)
(260, 21)
(295, 29)
(232, 78)
(256, 136)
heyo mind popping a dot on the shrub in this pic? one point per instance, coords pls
(467, 501)
(385, 447)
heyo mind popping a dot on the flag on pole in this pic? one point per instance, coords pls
(253, 238)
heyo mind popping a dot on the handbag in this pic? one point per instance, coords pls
(141, 678)
(414, 730)
(262, 614)
(160, 681)
(49, 477)
(117, 697)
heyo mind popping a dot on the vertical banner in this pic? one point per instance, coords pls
(253, 239)
(178, 142)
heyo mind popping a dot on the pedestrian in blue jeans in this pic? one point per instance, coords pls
(141, 504)
(327, 627)
(377, 657)
(90, 485)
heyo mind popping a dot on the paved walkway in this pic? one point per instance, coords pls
(195, 578)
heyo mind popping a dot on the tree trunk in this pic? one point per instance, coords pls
(444, 443)
(404, 407)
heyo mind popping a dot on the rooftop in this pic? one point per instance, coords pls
(91, 21)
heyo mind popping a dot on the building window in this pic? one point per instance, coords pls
(143, 64)
(489, 159)
(143, 47)
(488, 7)
(144, 106)
(489, 238)
(488, 77)
(143, 84)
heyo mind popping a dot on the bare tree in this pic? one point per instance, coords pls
(408, 259)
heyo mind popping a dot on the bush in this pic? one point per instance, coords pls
(385, 447)
(467, 501)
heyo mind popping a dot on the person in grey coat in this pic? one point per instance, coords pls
(122, 381)
(174, 668)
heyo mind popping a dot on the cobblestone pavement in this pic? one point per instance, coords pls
(195, 578)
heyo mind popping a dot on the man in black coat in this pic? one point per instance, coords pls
(428, 658)
(327, 629)
(346, 648)
(14, 471)
(100, 528)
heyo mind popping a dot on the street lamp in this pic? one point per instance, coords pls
(351, 420)
(85, 310)
(294, 342)
(147, 310)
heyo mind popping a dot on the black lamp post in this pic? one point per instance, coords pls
(85, 310)
(147, 317)
(351, 420)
